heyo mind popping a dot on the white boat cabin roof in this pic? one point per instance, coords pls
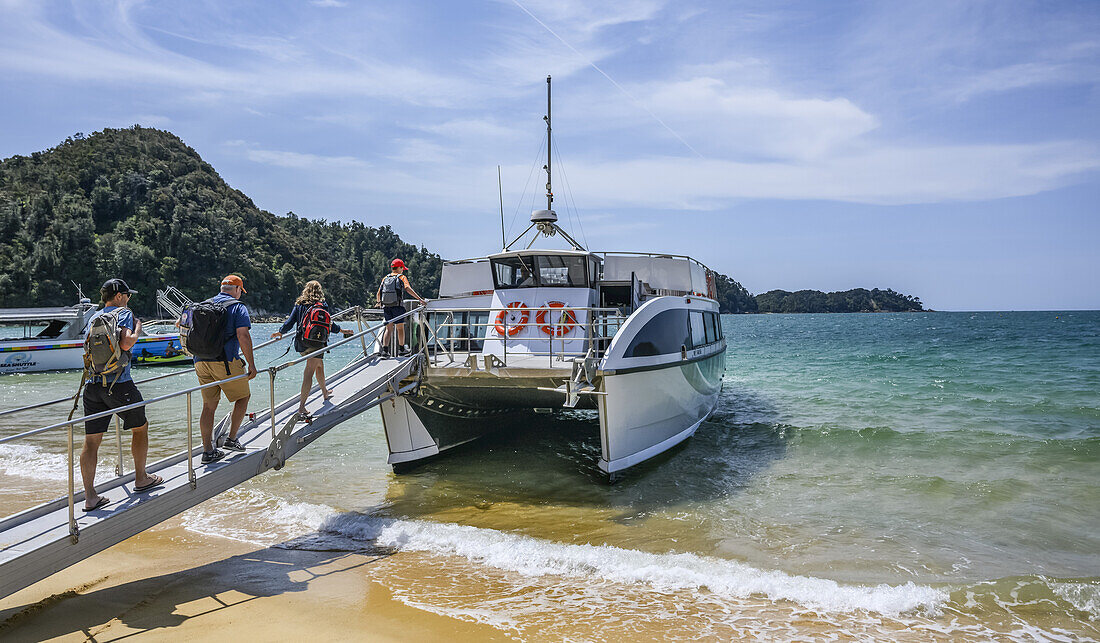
(661, 274)
(21, 315)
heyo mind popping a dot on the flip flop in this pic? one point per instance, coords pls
(101, 503)
(155, 481)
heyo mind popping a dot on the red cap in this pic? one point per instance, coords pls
(397, 263)
(234, 280)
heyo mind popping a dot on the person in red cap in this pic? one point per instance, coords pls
(220, 359)
(391, 296)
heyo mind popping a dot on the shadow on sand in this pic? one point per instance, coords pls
(144, 606)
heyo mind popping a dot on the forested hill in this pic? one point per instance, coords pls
(140, 204)
(857, 300)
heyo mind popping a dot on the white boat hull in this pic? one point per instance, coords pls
(52, 355)
(31, 358)
(647, 412)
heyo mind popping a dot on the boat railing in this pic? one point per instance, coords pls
(272, 371)
(466, 330)
(31, 407)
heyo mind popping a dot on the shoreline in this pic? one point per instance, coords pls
(172, 582)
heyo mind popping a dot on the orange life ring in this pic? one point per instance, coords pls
(565, 323)
(512, 329)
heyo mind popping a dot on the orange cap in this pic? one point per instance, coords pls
(234, 280)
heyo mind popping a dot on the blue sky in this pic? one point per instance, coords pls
(949, 150)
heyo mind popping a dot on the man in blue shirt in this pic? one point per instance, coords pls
(237, 341)
(109, 392)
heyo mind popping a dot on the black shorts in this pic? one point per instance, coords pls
(97, 400)
(390, 312)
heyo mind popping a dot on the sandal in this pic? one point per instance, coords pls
(154, 481)
(99, 504)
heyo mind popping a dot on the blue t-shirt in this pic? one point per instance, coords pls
(236, 316)
(125, 320)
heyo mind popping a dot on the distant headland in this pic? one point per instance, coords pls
(138, 203)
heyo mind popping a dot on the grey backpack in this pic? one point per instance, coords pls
(392, 290)
(103, 355)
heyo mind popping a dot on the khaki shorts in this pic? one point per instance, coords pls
(215, 372)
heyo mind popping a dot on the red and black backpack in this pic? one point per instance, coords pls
(316, 325)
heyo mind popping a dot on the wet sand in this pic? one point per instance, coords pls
(172, 584)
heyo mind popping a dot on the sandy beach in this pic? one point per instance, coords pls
(173, 585)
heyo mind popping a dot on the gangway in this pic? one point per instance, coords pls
(42, 540)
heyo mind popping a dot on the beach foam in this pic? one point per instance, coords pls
(533, 557)
(30, 461)
(247, 514)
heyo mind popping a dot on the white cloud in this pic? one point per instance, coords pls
(265, 67)
(885, 176)
(736, 121)
(418, 150)
(328, 3)
(303, 161)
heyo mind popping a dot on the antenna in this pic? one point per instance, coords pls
(549, 161)
(500, 190)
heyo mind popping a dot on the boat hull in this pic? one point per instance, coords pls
(37, 356)
(648, 411)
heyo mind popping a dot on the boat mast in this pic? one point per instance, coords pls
(546, 221)
(549, 161)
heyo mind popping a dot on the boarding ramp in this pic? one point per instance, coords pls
(48, 538)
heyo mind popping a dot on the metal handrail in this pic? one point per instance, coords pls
(70, 398)
(446, 344)
(12, 438)
(273, 371)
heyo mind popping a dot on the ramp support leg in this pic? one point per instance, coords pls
(74, 531)
(190, 449)
(118, 444)
(271, 395)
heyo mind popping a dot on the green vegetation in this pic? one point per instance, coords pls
(732, 296)
(857, 300)
(138, 203)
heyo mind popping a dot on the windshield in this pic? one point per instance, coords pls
(541, 270)
(514, 272)
(557, 270)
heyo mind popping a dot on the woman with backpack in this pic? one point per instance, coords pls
(314, 324)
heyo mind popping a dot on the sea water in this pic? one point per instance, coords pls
(887, 476)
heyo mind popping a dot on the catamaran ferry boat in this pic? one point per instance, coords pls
(53, 340)
(635, 336)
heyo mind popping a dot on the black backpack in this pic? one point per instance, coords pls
(203, 327)
(392, 290)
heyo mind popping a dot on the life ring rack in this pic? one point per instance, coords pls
(566, 322)
(511, 329)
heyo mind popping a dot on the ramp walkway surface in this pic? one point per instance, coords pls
(38, 542)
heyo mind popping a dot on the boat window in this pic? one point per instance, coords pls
(718, 325)
(514, 272)
(666, 333)
(52, 330)
(712, 332)
(698, 335)
(558, 270)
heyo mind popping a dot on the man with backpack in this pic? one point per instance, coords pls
(217, 332)
(391, 296)
(112, 333)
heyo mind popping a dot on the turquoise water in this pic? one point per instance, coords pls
(926, 475)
